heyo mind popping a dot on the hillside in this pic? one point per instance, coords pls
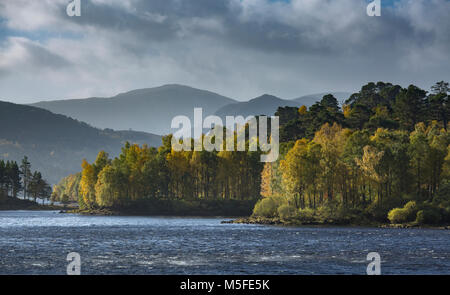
(262, 105)
(149, 110)
(55, 144)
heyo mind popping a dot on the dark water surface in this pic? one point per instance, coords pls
(38, 243)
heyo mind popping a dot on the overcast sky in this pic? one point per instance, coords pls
(238, 48)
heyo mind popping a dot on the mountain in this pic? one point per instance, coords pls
(309, 100)
(56, 144)
(150, 110)
(262, 105)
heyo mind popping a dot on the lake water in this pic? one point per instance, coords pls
(38, 243)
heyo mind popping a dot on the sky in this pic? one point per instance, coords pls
(238, 48)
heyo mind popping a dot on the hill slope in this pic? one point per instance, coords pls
(262, 105)
(56, 144)
(150, 110)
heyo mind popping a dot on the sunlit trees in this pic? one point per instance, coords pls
(342, 169)
(142, 173)
(67, 188)
(107, 188)
(428, 150)
(386, 147)
(87, 184)
(332, 141)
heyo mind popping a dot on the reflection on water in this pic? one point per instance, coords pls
(38, 242)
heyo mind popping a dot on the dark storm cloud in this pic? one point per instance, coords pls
(320, 32)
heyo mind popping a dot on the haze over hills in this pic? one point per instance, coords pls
(309, 100)
(149, 110)
(152, 109)
(262, 105)
(56, 144)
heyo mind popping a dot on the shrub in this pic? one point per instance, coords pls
(410, 206)
(398, 215)
(428, 216)
(306, 215)
(287, 211)
(266, 207)
(65, 199)
(405, 214)
(446, 217)
(325, 214)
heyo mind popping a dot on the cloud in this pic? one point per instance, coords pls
(241, 48)
(19, 54)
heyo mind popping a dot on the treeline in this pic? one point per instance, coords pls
(146, 173)
(383, 155)
(387, 146)
(15, 179)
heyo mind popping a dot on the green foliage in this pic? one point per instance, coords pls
(14, 179)
(67, 188)
(10, 178)
(287, 211)
(267, 207)
(65, 199)
(142, 173)
(387, 146)
(403, 215)
(396, 149)
(306, 215)
(398, 215)
(429, 216)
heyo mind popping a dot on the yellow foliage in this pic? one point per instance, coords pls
(303, 110)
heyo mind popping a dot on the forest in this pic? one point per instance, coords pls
(146, 177)
(381, 156)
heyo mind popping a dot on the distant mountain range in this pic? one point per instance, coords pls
(152, 109)
(149, 110)
(56, 144)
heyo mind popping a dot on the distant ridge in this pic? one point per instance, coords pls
(309, 100)
(152, 109)
(148, 109)
(263, 105)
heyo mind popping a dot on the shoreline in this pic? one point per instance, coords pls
(229, 219)
(109, 212)
(279, 222)
(14, 204)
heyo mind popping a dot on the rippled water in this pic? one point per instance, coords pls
(38, 243)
